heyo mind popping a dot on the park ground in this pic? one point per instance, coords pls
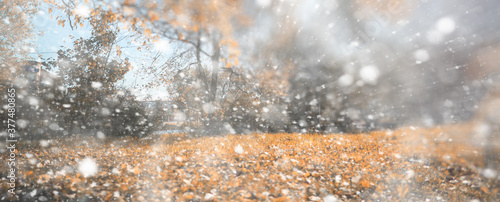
(440, 163)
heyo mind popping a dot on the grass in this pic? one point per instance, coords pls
(406, 164)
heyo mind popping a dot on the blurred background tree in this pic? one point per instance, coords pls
(16, 36)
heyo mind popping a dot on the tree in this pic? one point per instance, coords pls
(15, 37)
(203, 30)
(247, 102)
(91, 69)
(204, 33)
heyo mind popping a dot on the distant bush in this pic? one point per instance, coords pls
(128, 117)
(118, 114)
(48, 112)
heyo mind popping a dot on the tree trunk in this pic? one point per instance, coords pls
(215, 68)
(201, 74)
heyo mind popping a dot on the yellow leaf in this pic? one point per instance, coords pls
(195, 28)
(188, 197)
(147, 32)
(365, 184)
(485, 189)
(137, 170)
(118, 51)
(44, 178)
(50, 10)
(154, 16)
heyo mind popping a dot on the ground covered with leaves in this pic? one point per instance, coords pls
(406, 164)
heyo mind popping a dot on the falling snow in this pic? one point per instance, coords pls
(87, 167)
(369, 74)
(82, 11)
(250, 101)
(239, 149)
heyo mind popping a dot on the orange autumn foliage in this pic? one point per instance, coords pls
(406, 164)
